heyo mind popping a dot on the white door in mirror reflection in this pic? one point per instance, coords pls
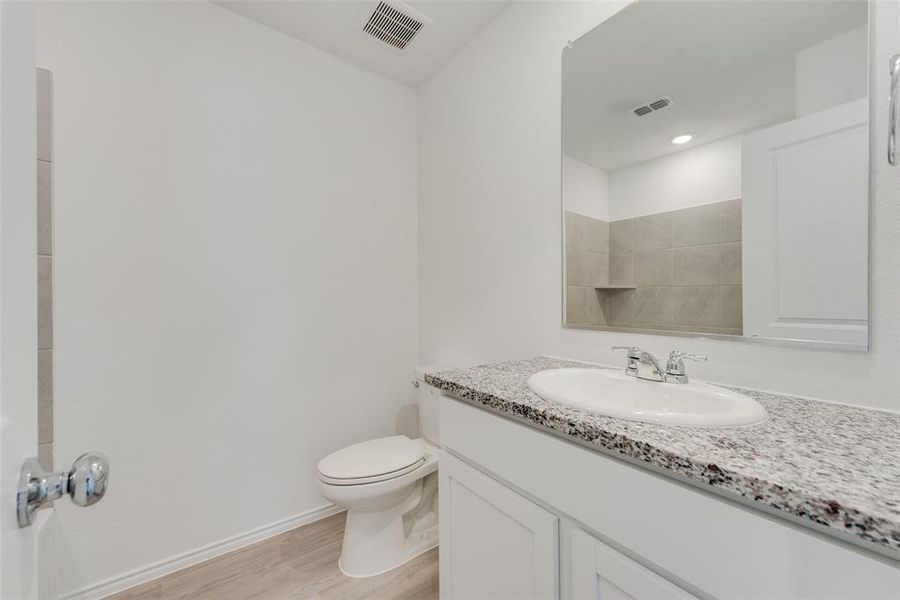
(805, 208)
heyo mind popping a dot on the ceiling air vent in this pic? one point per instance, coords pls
(395, 24)
(648, 108)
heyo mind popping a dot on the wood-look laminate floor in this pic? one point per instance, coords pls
(299, 564)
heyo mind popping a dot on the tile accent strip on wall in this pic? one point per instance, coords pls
(45, 266)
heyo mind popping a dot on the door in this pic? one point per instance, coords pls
(494, 543)
(18, 293)
(806, 194)
(600, 573)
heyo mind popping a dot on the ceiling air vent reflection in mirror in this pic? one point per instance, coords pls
(648, 108)
(395, 24)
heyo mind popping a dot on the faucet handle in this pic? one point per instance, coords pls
(675, 365)
(633, 351)
(634, 358)
(679, 355)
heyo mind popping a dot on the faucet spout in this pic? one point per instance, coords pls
(649, 368)
(641, 364)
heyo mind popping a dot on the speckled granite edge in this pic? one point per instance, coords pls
(777, 495)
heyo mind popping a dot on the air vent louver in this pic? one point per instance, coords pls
(393, 26)
(648, 108)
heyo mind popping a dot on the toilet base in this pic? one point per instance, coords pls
(411, 553)
(376, 542)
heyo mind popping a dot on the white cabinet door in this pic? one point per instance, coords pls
(495, 544)
(600, 573)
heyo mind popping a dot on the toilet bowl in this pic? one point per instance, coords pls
(390, 499)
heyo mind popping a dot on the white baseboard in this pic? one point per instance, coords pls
(125, 581)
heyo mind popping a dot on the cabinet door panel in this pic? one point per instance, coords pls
(601, 573)
(494, 543)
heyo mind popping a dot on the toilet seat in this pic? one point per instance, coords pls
(372, 479)
(372, 461)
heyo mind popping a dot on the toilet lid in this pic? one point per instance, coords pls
(372, 458)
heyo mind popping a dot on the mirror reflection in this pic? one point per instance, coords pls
(715, 178)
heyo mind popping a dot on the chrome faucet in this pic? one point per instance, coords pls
(644, 365)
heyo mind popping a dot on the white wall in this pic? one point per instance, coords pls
(704, 174)
(585, 189)
(236, 286)
(489, 233)
(832, 72)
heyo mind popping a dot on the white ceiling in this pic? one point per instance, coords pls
(336, 27)
(727, 66)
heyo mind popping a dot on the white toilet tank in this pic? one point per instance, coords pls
(427, 399)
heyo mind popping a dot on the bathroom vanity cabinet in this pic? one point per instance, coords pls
(503, 545)
(526, 514)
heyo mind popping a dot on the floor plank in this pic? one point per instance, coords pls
(298, 565)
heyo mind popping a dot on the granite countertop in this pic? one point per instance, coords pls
(834, 465)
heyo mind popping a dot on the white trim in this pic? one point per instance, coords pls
(128, 580)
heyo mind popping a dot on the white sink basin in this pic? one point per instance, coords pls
(615, 394)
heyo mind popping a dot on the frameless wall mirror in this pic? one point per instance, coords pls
(716, 171)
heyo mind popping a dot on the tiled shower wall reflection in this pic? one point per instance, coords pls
(587, 266)
(45, 267)
(676, 271)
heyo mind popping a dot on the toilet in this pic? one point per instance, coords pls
(389, 487)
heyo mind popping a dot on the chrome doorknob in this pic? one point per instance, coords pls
(85, 483)
(88, 479)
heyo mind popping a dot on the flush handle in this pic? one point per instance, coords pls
(85, 483)
(893, 108)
